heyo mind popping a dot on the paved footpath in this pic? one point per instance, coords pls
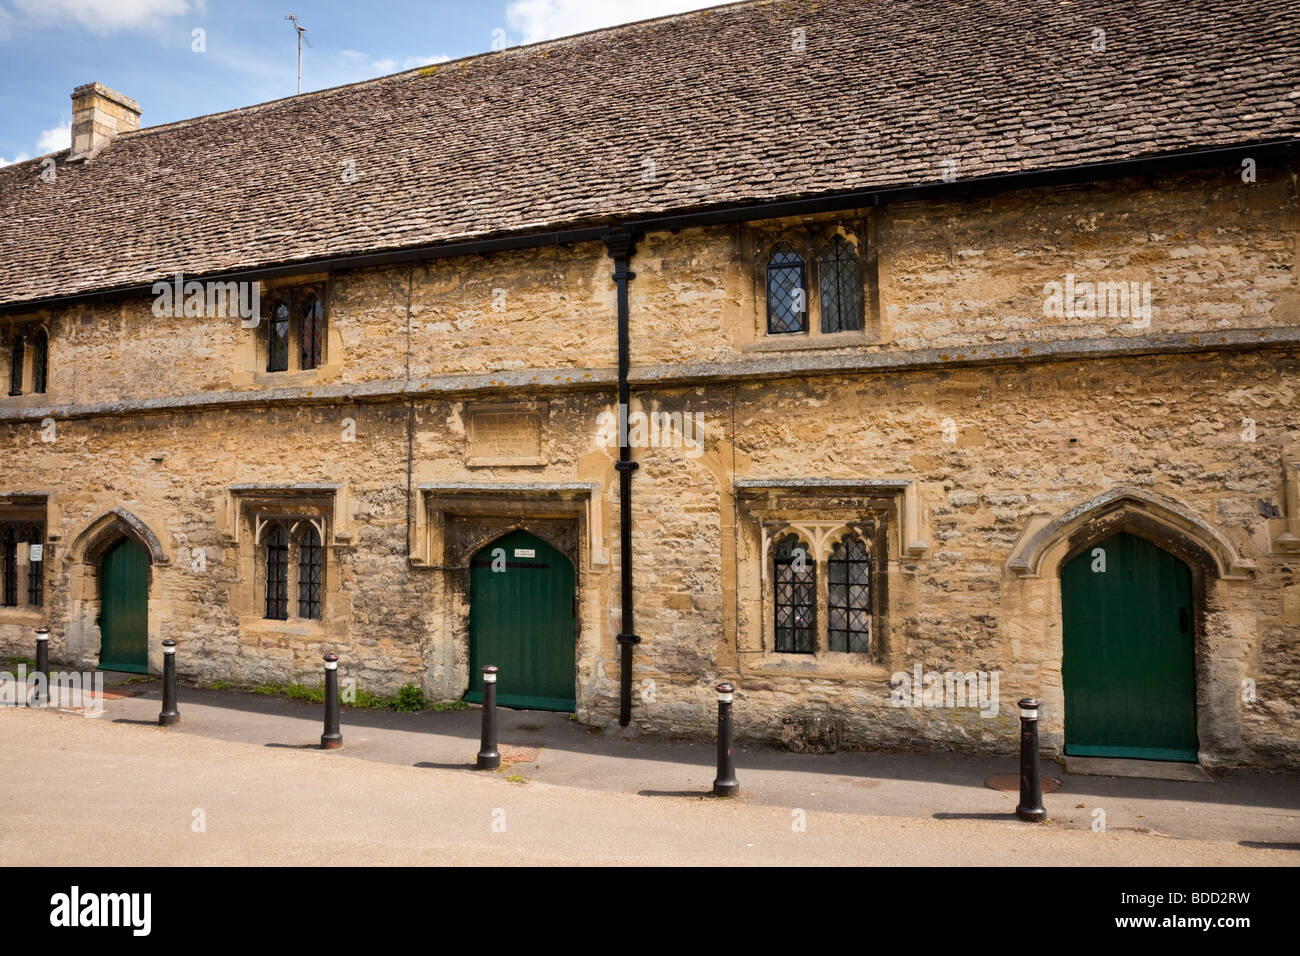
(118, 789)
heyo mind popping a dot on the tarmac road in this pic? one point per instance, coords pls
(77, 791)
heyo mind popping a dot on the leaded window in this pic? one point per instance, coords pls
(9, 547)
(16, 366)
(787, 295)
(13, 535)
(277, 338)
(841, 286)
(277, 573)
(312, 330)
(794, 572)
(311, 566)
(848, 597)
(40, 361)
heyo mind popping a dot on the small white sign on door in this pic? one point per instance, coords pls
(37, 553)
(525, 553)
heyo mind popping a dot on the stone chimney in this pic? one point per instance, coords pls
(99, 114)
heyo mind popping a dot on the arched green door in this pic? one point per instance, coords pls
(522, 619)
(1128, 667)
(124, 608)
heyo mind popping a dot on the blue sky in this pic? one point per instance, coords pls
(146, 49)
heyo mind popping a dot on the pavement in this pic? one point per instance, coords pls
(401, 790)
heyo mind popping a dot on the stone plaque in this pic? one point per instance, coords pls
(505, 435)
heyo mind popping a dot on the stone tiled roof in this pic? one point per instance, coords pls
(559, 133)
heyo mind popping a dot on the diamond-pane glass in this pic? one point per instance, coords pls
(794, 572)
(311, 565)
(787, 297)
(848, 592)
(841, 285)
(277, 573)
(313, 333)
(277, 338)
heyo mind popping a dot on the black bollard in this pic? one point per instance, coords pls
(726, 784)
(42, 662)
(169, 715)
(331, 739)
(489, 758)
(1031, 788)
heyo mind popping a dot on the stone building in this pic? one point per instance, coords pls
(957, 350)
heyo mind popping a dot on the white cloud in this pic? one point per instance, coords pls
(411, 62)
(56, 138)
(390, 65)
(17, 159)
(104, 16)
(537, 20)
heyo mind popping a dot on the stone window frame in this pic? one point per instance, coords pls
(296, 299)
(242, 516)
(295, 520)
(29, 528)
(28, 508)
(34, 334)
(821, 533)
(295, 291)
(823, 511)
(809, 239)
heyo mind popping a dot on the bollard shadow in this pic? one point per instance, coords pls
(1266, 845)
(138, 723)
(697, 794)
(295, 746)
(430, 765)
(974, 816)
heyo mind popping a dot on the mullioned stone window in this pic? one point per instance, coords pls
(27, 359)
(22, 575)
(295, 335)
(292, 560)
(815, 282)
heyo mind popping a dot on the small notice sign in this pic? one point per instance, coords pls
(37, 553)
(525, 553)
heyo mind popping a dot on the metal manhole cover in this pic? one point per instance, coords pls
(1011, 782)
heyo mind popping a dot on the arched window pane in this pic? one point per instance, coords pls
(311, 566)
(848, 593)
(794, 572)
(787, 297)
(841, 286)
(277, 338)
(313, 333)
(277, 573)
(16, 366)
(40, 360)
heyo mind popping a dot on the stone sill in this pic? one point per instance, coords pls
(25, 614)
(806, 341)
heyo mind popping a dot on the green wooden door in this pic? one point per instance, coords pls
(1128, 668)
(124, 603)
(521, 619)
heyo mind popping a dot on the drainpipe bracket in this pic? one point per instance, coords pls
(628, 639)
(626, 465)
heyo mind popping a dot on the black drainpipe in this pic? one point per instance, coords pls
(620, 244)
